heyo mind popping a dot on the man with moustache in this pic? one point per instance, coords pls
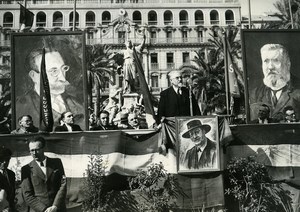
(61, 100)
(175, 100)
(202, 152)
(279, 88)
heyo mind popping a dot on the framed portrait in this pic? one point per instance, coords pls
(271, 67)
(198, 144)
(65, 68)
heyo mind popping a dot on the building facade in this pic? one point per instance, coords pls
(175, 29)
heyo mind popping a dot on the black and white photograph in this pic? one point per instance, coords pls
(149, 105)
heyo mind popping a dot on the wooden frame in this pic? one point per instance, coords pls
(72, 95)
(206, 151)
(256, 92)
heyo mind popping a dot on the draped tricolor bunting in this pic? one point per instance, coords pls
(124, 153)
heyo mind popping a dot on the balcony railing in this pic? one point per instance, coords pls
(170, 65)
(178, 40)
(41, 24)
(57, 24)
(151, 23)
(8, 25)
(230, 22)
(214, 22)
(199, 22)
(139, 22)
(71, 24)
(90, 23)
(154, 66)
(184, 22)
(168, 22)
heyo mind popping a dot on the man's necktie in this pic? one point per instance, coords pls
(274, 98)
(42, 164)
(179, 91)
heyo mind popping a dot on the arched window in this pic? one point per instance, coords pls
(137, 17)
(106, 18)
(199, 17)
(41, 19)
(168, 18)
(76, 19)
(57, 19)
(214, 17)
(183, 18)
(152, 18)
(8, 19)
(90, 19)
(229, 17)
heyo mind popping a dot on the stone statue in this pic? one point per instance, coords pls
(129, 66)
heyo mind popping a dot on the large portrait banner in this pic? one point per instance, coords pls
(198, 144)
(65, 69)
(271, 66)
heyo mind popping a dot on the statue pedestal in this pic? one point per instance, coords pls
(130, 99)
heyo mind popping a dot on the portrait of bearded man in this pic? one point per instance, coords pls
(279, 88)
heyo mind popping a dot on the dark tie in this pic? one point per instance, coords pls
(42, 164)
(198, 148)
(179, 92)
(274, 98)
(6, 176)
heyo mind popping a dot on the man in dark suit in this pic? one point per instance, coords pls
(203, 152)
(103, 122)
(43, 180)
(175, 100)
(26, 126)
(263, 116)
(67, 121)
(7, 177)
(279, 88)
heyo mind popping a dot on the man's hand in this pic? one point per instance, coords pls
(51, 209)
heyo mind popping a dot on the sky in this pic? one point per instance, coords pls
(258, 7)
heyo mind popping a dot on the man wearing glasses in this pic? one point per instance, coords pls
(61, 100)
(175, 100)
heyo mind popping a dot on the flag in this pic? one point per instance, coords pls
(123, 154)
(26, 18)
(46, 116)
(232, 79)
(150, 115)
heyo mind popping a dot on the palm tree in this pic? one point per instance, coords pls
(102, 64)
(285, 14)
(211, 69)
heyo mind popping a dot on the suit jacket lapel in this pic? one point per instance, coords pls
(36, 170)
(282, 101)
(49, 168)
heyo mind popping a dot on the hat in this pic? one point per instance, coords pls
(5, 152)
(193, 125)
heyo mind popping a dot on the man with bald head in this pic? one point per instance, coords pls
(175, 100)
(279, 87)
